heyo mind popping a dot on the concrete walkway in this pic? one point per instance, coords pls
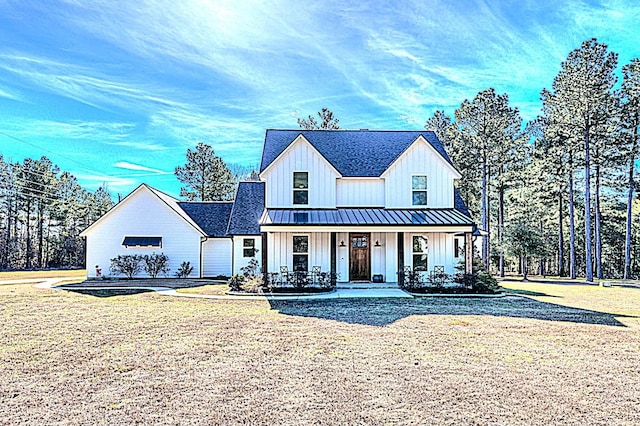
(356, 291)
(40, 282)
(339, 293)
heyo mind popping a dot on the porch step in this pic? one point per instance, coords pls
(367, 286)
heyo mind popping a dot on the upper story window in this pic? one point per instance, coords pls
(419, 190)
(300, 187)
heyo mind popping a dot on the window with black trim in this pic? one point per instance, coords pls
(300, 187)
(420, 253)
(419, 190)
(300, 253)
(249, 247)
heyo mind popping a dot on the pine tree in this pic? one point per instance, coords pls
(206, 177)
(629, 96)
(491, 125)
(582, 101)
(327, 121)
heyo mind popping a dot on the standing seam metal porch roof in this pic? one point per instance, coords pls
(364, 216)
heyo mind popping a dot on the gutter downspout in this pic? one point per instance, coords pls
(202, 241)
(233, 256)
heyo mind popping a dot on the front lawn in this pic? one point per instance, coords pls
(563, 355)
(67, 273)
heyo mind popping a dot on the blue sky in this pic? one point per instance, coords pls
(116, 91)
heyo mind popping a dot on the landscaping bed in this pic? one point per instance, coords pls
(145, 282)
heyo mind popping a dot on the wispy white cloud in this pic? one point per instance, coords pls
(140, 146)
(9, 94)
(72, 129)
(118, 184)
(137, 167)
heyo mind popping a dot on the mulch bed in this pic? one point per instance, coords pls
(163, 282)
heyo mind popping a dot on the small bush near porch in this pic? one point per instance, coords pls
(251, 281)
(438, 281)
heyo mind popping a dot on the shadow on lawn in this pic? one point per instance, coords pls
(109, 292)
(381, 312)
(529, 293)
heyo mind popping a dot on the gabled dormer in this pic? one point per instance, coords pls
(420, 177)
(299, 176)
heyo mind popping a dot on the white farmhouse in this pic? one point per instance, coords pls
(363, 204)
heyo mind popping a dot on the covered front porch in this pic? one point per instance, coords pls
(360, 246)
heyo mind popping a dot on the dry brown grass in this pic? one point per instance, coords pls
(69, 358)
(18, 275)
(206, 290)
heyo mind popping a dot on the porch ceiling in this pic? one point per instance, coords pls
(365, 217)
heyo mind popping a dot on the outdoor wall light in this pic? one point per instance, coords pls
(342, 243)
(377, 244)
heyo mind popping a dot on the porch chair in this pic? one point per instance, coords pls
(438, 276)
(284, 275)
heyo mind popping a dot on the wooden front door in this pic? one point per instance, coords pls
(359, 257)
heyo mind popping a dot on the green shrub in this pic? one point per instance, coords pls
(184, 270)
(236, 282)
(485, 283)
(126, 264)
(156, 263)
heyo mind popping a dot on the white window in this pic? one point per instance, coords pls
(300, 187)
(420, 251)
(249, 247)
(300, 252)
(419, 190)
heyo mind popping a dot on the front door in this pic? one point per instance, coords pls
(359, 258)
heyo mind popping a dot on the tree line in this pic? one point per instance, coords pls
(555, 195)
(42, 212)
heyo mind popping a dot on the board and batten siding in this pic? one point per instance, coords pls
(419, 159)
(300, 157)
(360, 193)
(440, 250)
(384, 258)
(239, 261)
(216, 257)
(143, 214)
(280, 250)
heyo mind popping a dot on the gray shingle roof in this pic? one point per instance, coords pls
(247, 209)
(353, 153)
(459, 204)
(211, 217)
